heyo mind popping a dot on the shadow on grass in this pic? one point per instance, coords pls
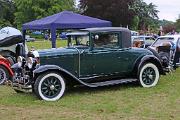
(85, 89)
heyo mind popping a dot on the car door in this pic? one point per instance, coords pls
(86, 63)
(105, 54)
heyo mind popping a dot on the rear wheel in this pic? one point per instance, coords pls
(4, 74)
(149, 75)
(50, 86)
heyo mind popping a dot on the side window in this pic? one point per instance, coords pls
(107, 40)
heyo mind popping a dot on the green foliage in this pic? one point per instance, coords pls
(177, 24)
(28, 10)
(116, 11)
(133, 13)
(135, 23)
(147, 14)
(7, 9)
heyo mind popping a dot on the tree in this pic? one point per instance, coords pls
(116, 11)
(147, 13)
(28, 10)
(177, 24)
(121, 12)
(7, 9)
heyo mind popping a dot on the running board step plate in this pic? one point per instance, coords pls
(111, 82)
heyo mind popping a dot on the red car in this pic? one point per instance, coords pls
(6, 72)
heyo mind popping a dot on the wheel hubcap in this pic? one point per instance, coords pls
(51, 87)
(148, 76)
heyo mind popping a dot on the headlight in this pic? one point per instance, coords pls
(20, 61)
(30, 62)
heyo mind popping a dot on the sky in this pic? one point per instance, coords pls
(169, 9)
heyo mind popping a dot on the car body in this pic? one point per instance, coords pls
(172, 51)
(144, 41)
(63, 36)
(134, 33)
(6, 72)
(93, 57)
(10, 43)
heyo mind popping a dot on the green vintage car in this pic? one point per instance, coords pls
(93, 57)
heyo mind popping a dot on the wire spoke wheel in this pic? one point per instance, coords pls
(3, 74)
(149, 75)
(49, 86)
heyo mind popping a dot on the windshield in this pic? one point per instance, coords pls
(161, 41)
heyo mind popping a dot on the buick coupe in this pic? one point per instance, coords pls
(93, 57)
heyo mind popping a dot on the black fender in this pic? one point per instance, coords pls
(46, 68)
(147, 58)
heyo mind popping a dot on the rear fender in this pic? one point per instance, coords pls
(145, 59)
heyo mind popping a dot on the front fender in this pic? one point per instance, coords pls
(45, 68)
(8, 67)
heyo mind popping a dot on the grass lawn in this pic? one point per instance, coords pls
(126, 101)
(44, 44)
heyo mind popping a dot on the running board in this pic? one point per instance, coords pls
(111, 82)
(178, 64)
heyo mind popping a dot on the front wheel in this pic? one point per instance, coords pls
(50, 86)
(4, 74)
(148, 75)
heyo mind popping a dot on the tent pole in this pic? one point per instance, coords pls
(53, 38)
(24, 36)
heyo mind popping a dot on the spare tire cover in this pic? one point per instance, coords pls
(10, 36)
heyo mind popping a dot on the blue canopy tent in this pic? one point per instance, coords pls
(64, 20)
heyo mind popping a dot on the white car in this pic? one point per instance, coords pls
(29, 39)
(169, 44)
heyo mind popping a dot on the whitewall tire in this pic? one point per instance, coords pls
(148, 75)
(50, 86)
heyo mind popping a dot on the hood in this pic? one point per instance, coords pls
(57, 51)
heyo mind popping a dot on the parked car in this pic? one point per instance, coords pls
(134, 33)
(63, 36)
(29, 39)
(6, 72)
(11, 43)
(93, 57)
(168, 49)
(142, 41)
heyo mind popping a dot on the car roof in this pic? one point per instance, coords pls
(77, 33)
(144, 36)
(108, 29)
